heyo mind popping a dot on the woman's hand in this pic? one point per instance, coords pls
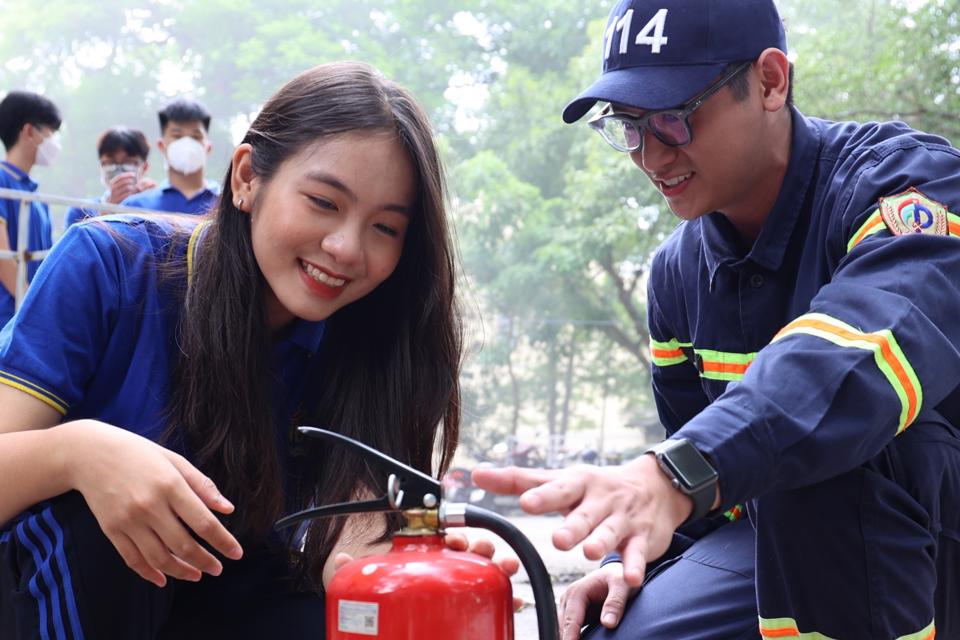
(147, 500)
(483, 547)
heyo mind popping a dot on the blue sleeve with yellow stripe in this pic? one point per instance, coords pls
(96, 331)
(53, 345)
(878, 346)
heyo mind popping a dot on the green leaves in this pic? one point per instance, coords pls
(870, 59)
(555, 229)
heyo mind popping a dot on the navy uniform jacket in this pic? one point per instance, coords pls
(802, 357)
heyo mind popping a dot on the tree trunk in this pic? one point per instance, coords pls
(514, 386)
(568, 387)
(553, 358)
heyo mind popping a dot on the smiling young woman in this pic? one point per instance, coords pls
(160, 364)
(330, 226)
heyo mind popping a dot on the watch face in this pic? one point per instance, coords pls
(689, 466)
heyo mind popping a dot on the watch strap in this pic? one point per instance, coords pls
(703, 496)
(702, 501)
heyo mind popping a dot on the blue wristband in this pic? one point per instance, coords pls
(611, 557)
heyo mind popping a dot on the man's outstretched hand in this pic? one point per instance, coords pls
(631, 508)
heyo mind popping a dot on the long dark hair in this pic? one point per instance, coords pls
(389, 361)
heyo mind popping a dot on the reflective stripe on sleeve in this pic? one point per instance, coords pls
(953, 224)
(927, 633)
(713, 365)
(668, 353)
(874, 224)
(734, 513)
(787, 628)
(887, 353)
(34, 390)
(723, 365)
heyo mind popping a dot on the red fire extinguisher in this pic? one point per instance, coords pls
(421, 589)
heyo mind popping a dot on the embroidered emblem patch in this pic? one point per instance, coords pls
(913, 212)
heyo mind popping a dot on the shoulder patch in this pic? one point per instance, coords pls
(913, 212)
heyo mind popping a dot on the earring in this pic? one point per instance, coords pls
(239, 202)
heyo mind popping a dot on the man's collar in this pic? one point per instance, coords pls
(771, 245)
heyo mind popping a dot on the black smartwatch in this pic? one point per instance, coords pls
(689, 472)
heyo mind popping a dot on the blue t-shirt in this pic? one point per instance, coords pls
(95, 337)
(166, 197)
(40, 235)
(79, 214)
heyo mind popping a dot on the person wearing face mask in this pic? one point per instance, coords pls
(184, 125)
(123, 165)
(28, 127)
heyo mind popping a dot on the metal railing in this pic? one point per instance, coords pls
(21, 255)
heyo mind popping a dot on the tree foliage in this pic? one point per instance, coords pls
(555, 229)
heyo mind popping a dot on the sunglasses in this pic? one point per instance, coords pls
(670, 126)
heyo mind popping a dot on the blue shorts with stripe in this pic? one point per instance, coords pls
(61, 579)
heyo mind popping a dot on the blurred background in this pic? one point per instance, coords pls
(555, 230)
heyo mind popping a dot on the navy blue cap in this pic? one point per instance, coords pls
(658, 54)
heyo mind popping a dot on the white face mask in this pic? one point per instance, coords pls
(48, 150)
(186, 155)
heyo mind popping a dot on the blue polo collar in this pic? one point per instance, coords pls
(209, 186)
(720, 240)
(16, 172)
(308, 335)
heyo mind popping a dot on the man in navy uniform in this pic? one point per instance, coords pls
(806, 356)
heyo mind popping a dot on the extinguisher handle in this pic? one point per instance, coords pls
(539, 578)
(407, 488)
(338, 509)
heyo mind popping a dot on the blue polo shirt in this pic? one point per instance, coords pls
(802, 356)
(95, 337)
(40, 235)
(79, 214)
(166, 197)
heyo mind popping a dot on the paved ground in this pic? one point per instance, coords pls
(564, 566)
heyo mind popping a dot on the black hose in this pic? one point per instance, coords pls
(532, 563)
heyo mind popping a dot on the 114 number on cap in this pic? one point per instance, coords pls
(622, 26)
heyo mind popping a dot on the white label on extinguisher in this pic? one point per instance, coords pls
(358, 617)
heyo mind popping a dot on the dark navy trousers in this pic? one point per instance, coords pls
(61, 579)
(873, 554)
